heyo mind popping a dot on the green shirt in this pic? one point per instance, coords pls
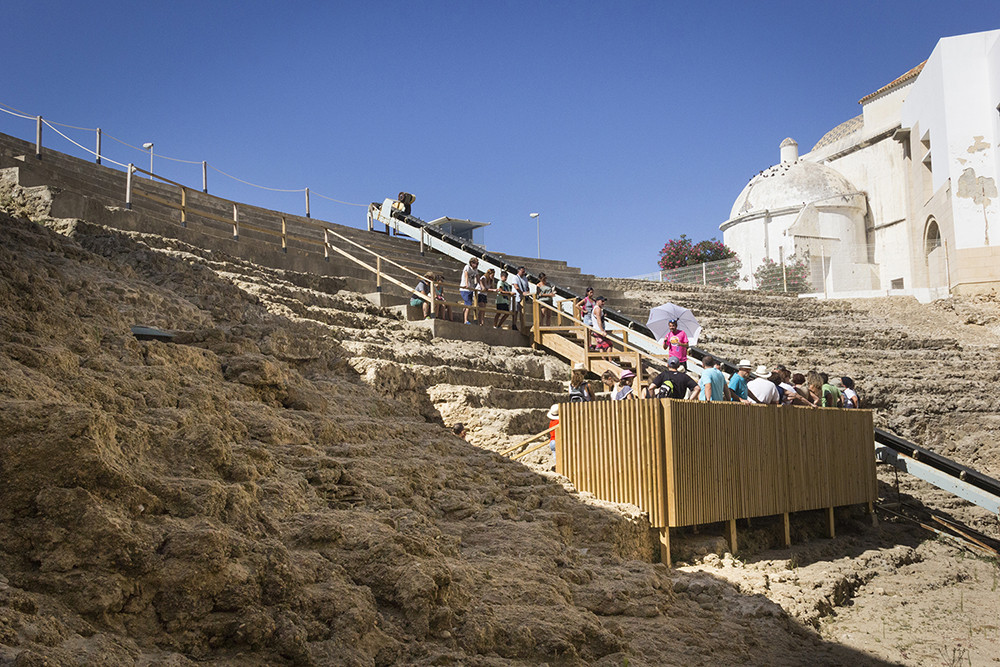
(834, 392)
(503, 299)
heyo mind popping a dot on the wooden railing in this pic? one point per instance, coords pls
(576, 347)
(691, 462)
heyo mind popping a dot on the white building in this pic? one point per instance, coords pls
(899, 199)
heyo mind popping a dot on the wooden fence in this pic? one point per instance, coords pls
(691, 462)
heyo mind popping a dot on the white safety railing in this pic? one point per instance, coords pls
(100, 156)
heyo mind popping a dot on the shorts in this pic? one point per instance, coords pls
(503, 306)
(466, 296)
(416, 303)
(481, 299)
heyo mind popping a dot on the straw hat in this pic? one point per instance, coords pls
(553, 412)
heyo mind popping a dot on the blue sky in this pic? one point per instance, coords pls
(624, 124)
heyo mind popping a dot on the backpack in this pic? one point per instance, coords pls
(666, 390)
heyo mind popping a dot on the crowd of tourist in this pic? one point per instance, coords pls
(759, 386)
(476, 289)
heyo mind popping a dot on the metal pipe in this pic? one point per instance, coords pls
(128, 186)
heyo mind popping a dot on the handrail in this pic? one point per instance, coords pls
(464, 250)
(529, 440)
(184, 208)
(627, 349)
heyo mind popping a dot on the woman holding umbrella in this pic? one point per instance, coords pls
(677, 327)
(676, 345)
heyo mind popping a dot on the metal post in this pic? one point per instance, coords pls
(128, 186)
(704, 274)
(326, 244)
(236, 224)
(38, 138)
(784, 272)
(947, 266)
(184, 201)
(308, 214)
(204, 176)
(822, 263)
(98, 145)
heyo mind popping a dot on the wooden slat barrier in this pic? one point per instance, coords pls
(691, 462)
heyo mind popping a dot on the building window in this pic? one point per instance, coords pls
(932, 237)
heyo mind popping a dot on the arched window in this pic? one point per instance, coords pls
(932, 237)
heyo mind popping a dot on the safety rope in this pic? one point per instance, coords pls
(14, 112)
(262, 187)
(84, 148)
(346, 203)
(52, 125)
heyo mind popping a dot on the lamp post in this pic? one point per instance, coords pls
(538, 229)
(149, 147)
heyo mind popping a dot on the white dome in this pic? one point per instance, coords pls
(790, 184)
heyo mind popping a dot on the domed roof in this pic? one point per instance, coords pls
(790, 184)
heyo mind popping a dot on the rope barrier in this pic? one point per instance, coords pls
(346, 203)
(15, 112)
(254, 185)
(123, 143)
(73, 127)
(82, 147)
(51, 124)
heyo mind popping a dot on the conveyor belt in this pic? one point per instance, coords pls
(940, 463)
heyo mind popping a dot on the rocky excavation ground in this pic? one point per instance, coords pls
(276, 485)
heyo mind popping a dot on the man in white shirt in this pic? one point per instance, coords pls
(468, 282)
(521, 289)
(761, 389)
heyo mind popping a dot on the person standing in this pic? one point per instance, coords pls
(762, 389)
(681, 385)
(553, 415)
(676, 344)
(521, 290)
(466, 286)
(601, 342)
(850, 396)
(545, 293)
(738, 382)
(831, 395)
(586, 307)
(487, 284)
(625, 386)
(443, 309)
(713, 381)
(579, 388)
(503, 301)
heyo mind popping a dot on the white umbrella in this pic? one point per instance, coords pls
(659, 319)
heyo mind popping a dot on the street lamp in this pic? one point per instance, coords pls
(149, 147)
(538, 228)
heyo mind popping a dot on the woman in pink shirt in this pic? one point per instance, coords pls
(676, 344)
